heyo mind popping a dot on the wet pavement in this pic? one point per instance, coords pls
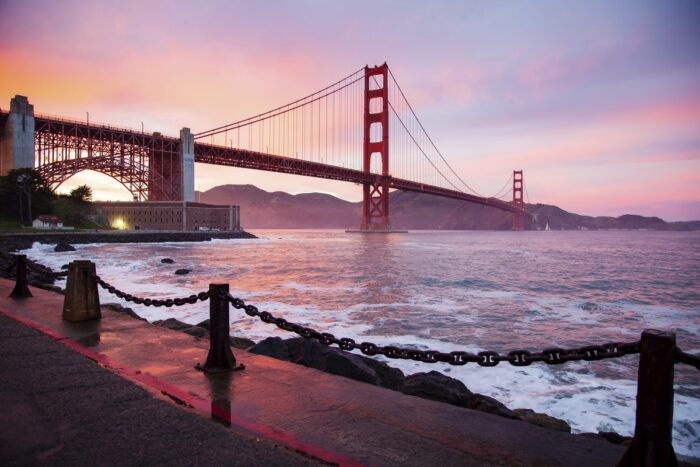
(327, 417)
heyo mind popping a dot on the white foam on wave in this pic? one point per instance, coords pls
(308, 288)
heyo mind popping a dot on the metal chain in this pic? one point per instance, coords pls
(192, 299)
(41, 269)
(552, 356)
(687, 358)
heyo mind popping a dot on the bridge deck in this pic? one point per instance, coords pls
(234, 157)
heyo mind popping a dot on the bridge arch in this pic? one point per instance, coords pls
(131, 174)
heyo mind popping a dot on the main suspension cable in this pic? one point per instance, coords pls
(428, 136)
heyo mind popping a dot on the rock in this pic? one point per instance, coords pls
(182, 272)
(241, 342)
(196, 331)
(60, 247)
(590, 435)
(175, 325)
(615, 438)
(172, 323)
(309, 352)
(273, 347)
(490, 405)
(64, 266)
(202, 330)
(438, 387)
(543, 420)
(121, 309)
(167, 261)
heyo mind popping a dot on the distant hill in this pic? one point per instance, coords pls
(264, 210)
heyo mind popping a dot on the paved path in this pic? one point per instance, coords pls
(58, 407)
(328, 417)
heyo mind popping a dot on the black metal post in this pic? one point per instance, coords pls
(220, 358)
(21, 289)
(652, 443)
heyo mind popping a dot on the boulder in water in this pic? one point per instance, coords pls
(61, 247)
(182, 272)
(167, 261)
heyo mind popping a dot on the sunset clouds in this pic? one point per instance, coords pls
(598, 102)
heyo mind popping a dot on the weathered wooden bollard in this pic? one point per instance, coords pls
(81, 302)
(21, 289)
(652, 443)
(220, 358)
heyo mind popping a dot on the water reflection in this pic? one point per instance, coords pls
(91, 340)
(220, 393)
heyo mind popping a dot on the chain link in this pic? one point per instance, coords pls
(687, 358)
(169, 302)
(553, 356)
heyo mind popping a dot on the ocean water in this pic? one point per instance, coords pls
(449, 291)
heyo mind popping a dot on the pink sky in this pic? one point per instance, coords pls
(599, 103)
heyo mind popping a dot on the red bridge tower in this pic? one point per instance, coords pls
(375, 195)
(519, 216)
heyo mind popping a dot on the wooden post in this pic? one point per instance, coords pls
(21, 290)
(220, 358)
(652, 443)
(81, 302)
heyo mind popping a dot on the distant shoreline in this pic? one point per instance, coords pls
(15, 241)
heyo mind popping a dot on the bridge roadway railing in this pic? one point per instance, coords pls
(652, 442)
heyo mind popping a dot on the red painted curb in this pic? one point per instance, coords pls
(201, 405)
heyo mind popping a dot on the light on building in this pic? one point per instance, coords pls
(119, 223)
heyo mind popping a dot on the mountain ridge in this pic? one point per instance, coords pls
(261, 209)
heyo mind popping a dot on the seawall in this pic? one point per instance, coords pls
(20, 241)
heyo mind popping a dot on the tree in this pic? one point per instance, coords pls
(10, 186)
(82, 193)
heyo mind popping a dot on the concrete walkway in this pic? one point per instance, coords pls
(325, 416)
(60, 408)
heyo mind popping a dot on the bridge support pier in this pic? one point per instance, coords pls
(17, 137)
(187, 159)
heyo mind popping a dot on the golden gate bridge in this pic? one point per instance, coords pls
(341, 132)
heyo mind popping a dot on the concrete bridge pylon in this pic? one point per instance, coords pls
(17, 136)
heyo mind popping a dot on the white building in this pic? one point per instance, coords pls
(47, 222)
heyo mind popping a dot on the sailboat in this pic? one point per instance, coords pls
(546, 227)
